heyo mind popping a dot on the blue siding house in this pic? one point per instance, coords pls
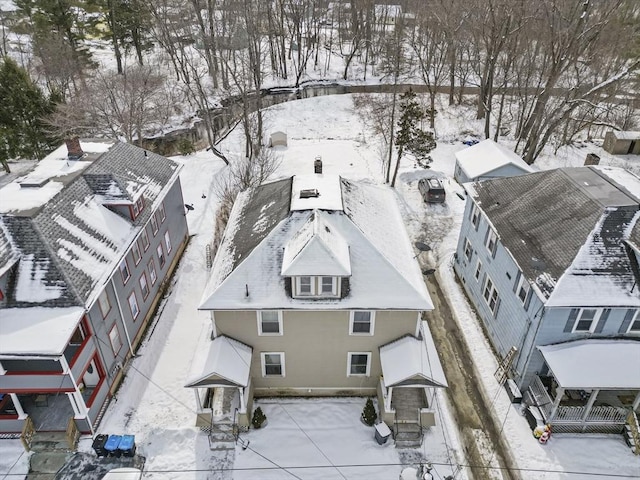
(87, 240)
(550, 261)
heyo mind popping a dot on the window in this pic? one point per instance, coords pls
(135, 250)
(152, 271)
(523, 289)
(140, 203)
(124, 271)
(634, 326)
(490, 295)
(144, 287)
(133, 305)
(144, 238)
(160, 253)
(270, 322)
(161, 214)
(167, 241)
(328, 286)
(359, 364)
(305, 286)
(586, 320)
(272, 364)
(362, 322)
(103, 302)
(154, 224)
(491, 241)
(468, 250)
(475, 216)
(478, 270)
(114, 338)
(136, 210)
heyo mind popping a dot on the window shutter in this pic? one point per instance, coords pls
(527, 300)
(495, 314)
(627, 320)
(495, 247)
(515, 285)
(602, 320)
(572, 319)
(486, 235)
(484, 281)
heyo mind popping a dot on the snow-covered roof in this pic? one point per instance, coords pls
(595, 364)
(410, 361)
(226, 363)
(316, 249)
(37, 330)
(487, 156)
(384, 273)
(569, 223)
(329, 194)
(626, 135)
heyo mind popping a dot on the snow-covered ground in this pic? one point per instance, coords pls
(322, 433)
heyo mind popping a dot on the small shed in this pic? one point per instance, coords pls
(488, 159)
(278, 138)
(622, 143)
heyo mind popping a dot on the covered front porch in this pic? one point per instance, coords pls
(411, 371)
(222, 385)
(592, 385)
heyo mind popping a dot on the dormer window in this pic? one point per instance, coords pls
(316, 286)
(137, 207)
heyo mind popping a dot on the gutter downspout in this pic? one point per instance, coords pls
(544, 311)
(124, 323)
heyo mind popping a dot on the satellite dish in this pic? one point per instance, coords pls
(423, 247)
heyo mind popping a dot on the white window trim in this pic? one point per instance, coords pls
(136, 248)
(373, 323)
(151, 266)
(493, 289)
(104, 296)
(153, 222)
(115, 327)
(492, 239)
(350, 355)
(162, 213)
(263, 365)
(145, 246)
(635, 318)
(316, 286)
(478, 271)
(142, 287)
(298, 285)
(161, 259)
(135, 299)
(475, 216)
(334, 286)
(468, 248)
(523, 283)
(594, 322)
(126, 264)
(167, 241)
(269, 334)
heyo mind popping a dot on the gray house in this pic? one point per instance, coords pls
(486, 160)
(315, 291)
(550, 261)
(87, 240)
(622, 143)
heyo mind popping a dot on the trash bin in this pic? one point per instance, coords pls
(112, 445)
(382, 433)
(127, 445)
(98, 445)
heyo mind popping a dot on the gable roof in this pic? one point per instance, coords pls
(69, 243)
(316, 249)
(384, 274)
(566, 223)
(487, 156)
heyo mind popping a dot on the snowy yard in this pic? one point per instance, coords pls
(323, 438)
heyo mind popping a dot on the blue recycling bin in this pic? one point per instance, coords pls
(111, 447)
(127, 445)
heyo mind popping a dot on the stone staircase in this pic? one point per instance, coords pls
(408, 435)
(222, 436)
(50, 453)
(632, 432)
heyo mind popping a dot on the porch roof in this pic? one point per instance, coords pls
(226, 364)
(595, 364)
(410, 362)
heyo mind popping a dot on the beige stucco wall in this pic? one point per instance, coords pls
(316, 346)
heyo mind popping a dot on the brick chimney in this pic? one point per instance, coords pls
(317, 164)
(74, 150)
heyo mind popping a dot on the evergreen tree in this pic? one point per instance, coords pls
(369, 414)
(258, 418)
(22, 131)
(410, 137)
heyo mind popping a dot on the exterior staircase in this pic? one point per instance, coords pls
(50, 452)
(408, 435)
(632, 432)
(223, 436)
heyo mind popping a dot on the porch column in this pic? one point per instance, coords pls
(556, 403)
(198, 401)
(636, 402)
(592, 399)
(243, 407)
(18, 406)
(74, 405)
(387, 406)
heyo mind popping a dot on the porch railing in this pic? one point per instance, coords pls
(72, 434)
(541, 397)
(28, 431)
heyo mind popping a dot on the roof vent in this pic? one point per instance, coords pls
(309, 193)
(33, 182)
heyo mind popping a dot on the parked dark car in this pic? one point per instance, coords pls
(431, 190)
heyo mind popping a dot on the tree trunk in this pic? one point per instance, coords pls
(395, 170)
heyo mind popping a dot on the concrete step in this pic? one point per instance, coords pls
(44, 465)
(49, 441)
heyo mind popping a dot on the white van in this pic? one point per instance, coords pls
(125, 473)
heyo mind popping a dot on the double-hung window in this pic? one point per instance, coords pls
(490, 295)
(124, 271)
(358, 364)
(152, 271)
(270, 322)
(161, 213)
(468, 250)
(154, 224)
(634, 326)
(103, 302)
(305, 286)
(478, 270)
(586, 320)
(133, 305)
(144, 239)
(475, 216)
(167, 241)
(135, 251)
(272, 364)
(491, 241)
(144, 286)
(328, 286)
(160, 253)
(114, 338)
(523, 289)
(361, 323)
